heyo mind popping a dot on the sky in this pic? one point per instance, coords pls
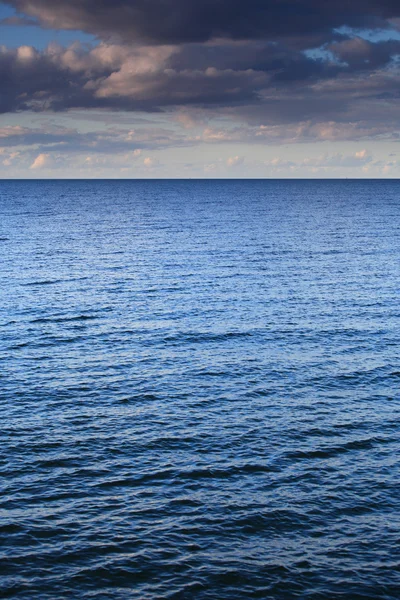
(199, 88)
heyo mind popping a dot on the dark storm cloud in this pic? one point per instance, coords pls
(265, 61)
(181, 21)
(360, 54)
(285, 84)
(153, 78)
(276, 59)
(115, 77)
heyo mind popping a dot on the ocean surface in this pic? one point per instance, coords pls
(199, 390)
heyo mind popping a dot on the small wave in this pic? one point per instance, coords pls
(138, 399)
(64, 319)
(11, 529)
(207, 373)
(42, 282)
(223, 473)
(19, 346)
(53, 342)
(199, 337)
(331, 451)
(259, 393)
(334, 430)
(276, 520)
(7, 323)
(129, 481)
(57, 463)
(373, 376)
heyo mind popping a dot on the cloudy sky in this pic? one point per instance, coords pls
(199, 88)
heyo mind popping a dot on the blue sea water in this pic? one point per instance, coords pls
(199, 390)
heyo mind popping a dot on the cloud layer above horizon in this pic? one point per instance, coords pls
(217, 71)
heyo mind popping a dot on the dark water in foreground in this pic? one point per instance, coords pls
(199, 390)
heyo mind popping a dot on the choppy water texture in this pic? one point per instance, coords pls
(199, 390)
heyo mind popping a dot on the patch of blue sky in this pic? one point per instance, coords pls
(13, 36)
(320, 54)
(380, 35)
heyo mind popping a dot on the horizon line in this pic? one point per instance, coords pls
(199, 179)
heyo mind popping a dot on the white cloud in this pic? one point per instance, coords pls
(234, 161)
(7, 162)
(42, 161)
(150, 163)
(325, 165)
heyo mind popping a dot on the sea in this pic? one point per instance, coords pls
(199, 390)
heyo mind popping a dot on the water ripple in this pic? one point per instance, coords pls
(199, 390)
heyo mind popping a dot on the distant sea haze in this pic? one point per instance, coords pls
(199, 390)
